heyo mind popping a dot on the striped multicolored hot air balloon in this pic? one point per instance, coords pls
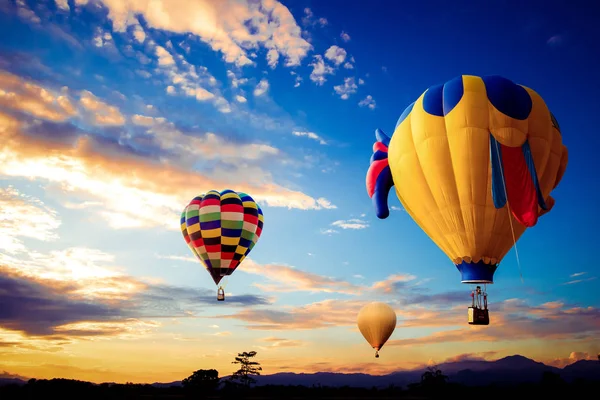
(221, 228)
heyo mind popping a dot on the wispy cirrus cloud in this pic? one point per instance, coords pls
(310, 135)
(579, 277)
(353, 223)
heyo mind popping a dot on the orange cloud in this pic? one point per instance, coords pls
(275, 342)
(228, 26)
(573, 357)
(100, 112)
(289, 279)
(514, 320)
(123, 182)
(323, 314)
(31, 98)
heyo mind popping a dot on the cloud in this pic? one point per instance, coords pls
(345, 90)
(17, 211)
(100, 112)
(164, 57)
(556, 40)
(323, 314)
(353, 223)
(580, 279)
(33, 99)
(329, 232)
(26, 13)
(283, 278)
(103, 39)
(320, 69)
(275, 342)
(512, 320)
(368, 102)
(115, 174)
(139, 34)
(345, 37)
(574, 356)
(390, 284)
(335, 54)
(178, 258)
(79, 291)
(310, 135)
(261, 88)
(310, 19)
(231, 27)
(272, 58)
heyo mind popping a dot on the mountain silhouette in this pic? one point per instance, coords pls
(509, 370)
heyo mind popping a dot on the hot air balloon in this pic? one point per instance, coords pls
(473, 162)
(376, 321)
(221, 228)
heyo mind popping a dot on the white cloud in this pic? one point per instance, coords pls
(353, 223)
(310, 135)
(23, 216)
(240, 99)
(235, 81)
(345, 37)
(320, 69)
(272, 58)
(261, 88)
(368, 102)
(346, 89)
(336, 54)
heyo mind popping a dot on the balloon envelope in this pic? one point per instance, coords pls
(473, 162)
(221, 228)
(376, 321)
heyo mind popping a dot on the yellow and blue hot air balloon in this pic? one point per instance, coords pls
(221, 228)
(473, 162)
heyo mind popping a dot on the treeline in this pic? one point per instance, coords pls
(206, 384)
(74, 389)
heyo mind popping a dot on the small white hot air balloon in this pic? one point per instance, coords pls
(376, 321)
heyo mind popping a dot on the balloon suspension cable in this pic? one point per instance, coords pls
(224, 282)
(376, 353)
(512, 229)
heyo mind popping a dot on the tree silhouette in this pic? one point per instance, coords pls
(247, 368)
(203, 380)
(433, 377)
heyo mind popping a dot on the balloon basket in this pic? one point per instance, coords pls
(220, 294)
(477, 316)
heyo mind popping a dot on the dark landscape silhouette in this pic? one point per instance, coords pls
(515, 376)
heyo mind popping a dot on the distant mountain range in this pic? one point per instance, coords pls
(505, 371)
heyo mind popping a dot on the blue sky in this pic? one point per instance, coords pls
(115, 114)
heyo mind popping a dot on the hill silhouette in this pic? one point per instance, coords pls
(503, 377)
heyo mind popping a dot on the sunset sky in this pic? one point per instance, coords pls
(115, 114)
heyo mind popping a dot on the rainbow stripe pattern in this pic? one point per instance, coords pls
(221, 228)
